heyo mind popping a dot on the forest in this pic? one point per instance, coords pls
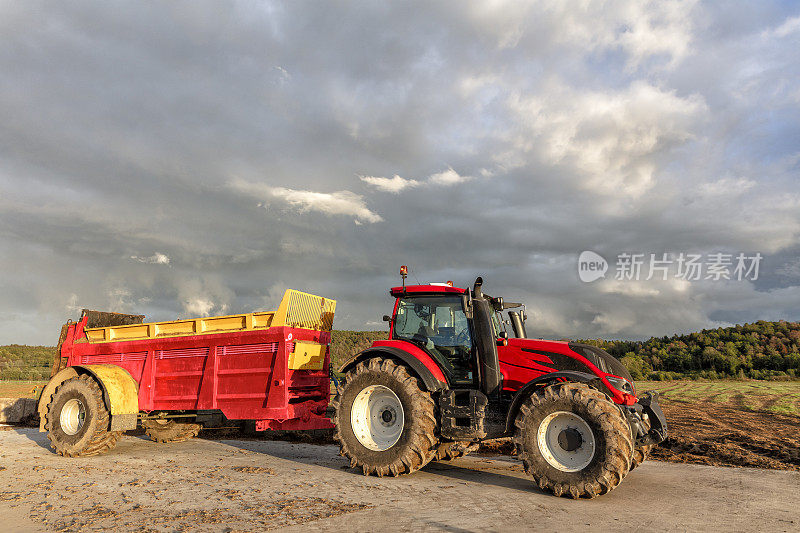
(761, 350)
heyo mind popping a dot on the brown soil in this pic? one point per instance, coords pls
(724, 436)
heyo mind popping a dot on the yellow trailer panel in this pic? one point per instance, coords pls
(297, 309)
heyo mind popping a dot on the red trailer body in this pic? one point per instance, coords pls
(272, 368)
(245, 375)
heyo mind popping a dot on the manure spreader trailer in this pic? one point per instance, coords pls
(112, 372)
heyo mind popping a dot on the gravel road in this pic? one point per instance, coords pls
(250, 485)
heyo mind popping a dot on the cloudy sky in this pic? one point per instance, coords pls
(179, 159)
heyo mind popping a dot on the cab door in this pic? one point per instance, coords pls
(439, 325)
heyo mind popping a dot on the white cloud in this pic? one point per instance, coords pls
(155, 259)
(396, 184)
(640, 29)
(447, 177)
(611, 140)
(198, 306)
(789, 26)
(392, 185)
(336, 203)
(204, 296)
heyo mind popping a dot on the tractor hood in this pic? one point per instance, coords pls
(552, 356)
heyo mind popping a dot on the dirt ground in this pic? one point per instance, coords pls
(249, 485)
(722, 435)
(21, 389)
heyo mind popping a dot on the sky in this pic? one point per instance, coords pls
(183, 159)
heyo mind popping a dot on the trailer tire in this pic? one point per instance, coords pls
(573, 440)
(168, 430)
(393, 415)
(449, 450)
(78, 420)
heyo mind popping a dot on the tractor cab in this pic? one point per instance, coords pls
(437, 323)
(459, 328)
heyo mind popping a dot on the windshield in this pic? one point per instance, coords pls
(438, 324)
(497, 324)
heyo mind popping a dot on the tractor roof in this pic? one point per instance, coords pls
(427, 289)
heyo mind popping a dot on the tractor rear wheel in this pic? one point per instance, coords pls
(168, 430)
(384, 419)
(573, 440)
(77, 419)
(449, 450)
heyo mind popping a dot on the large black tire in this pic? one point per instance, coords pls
(449, 450)
(602, 458)
(168, 430)
(417, 443)
(77, 419)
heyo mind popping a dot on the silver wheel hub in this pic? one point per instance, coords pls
(566, 441)
(377, 418)
(72, 417)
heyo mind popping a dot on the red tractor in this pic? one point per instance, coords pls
(450, 377)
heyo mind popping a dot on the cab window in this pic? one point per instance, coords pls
(439, 325)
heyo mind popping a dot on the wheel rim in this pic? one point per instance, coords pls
(72, 416)
(377, 418)
(566, 441)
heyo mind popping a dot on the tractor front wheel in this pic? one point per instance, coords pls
(384, 420)
(573, 440)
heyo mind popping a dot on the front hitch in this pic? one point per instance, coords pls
(647, 406)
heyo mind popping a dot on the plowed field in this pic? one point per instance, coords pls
(730, 423)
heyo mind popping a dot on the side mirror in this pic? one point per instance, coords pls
(387, 318)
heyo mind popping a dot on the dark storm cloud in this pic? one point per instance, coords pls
(190, 158)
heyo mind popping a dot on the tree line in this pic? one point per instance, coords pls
(762, 350)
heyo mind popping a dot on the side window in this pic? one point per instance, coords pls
(439, 325)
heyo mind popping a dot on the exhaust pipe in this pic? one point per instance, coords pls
(476, 289)
(517, 324)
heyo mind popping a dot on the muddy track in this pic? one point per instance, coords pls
(726, 436)
(242, 485)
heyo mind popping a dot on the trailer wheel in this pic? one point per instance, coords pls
(384, 420)
(77, 419)
(450, 450)
(168, 430)
(573, 440)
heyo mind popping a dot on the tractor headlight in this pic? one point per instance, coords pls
(620, 384)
